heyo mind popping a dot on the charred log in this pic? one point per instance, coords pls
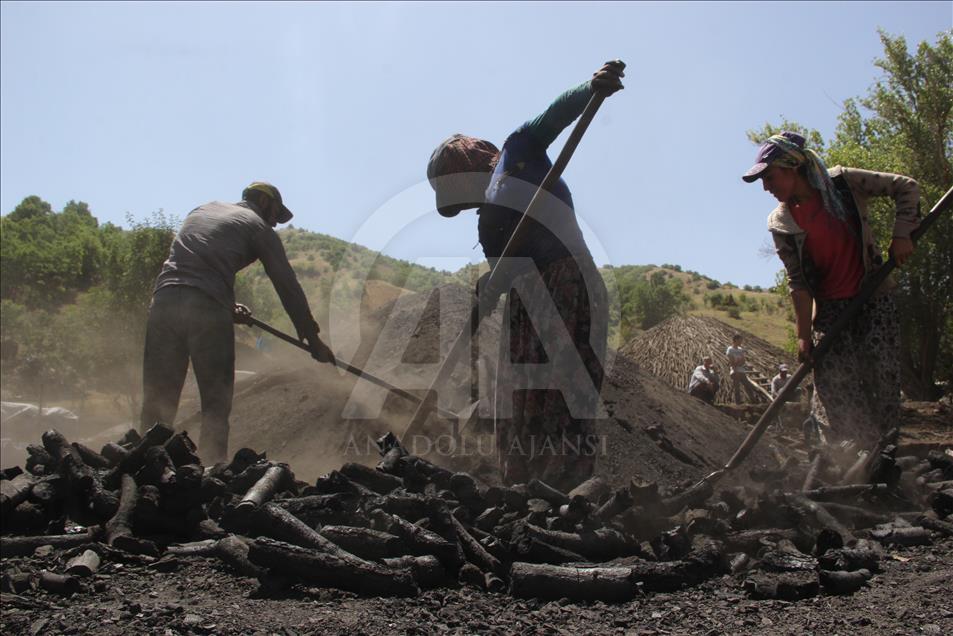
(327, 570)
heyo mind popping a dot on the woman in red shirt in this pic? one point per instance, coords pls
(822, 234)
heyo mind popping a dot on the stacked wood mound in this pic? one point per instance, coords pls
(408, 524)
(672, 349)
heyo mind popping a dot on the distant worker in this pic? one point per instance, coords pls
(539, 437)
(704, 382)
(193, 309)
(778, 381)
(738, 363)
(823, 235)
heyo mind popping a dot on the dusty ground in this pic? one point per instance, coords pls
(292, 408)
(910, 597)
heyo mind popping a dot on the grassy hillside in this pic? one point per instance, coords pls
(357, 273)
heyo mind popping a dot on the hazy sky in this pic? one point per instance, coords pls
(136, 107)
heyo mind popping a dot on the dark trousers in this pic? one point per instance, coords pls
(704, 393)
(185, 324)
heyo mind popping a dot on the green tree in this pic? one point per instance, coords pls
(648, 301)
(47, 256)
(905, 125)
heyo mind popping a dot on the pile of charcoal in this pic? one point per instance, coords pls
(409, 524)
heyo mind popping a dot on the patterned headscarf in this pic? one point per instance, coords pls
(794, 155)
(460, 153)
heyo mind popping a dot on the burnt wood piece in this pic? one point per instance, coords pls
(470, 574)
(856, 516)
(155, 436)
(119, 527)
(86, 564)
(10, 473)
(114, 453)
(82, 479)
(439, 477)
(408, 506)
(943, 527)
(812, 472)
(489, 518)
(576, 510)
(234, 552)
(90, 457)
(601, 544)
(182, 450)
(838, 493)
(418, 540)
(241, 460)
(379, 482)
(865, 555)
(240, 483)
(27, 518)
(15, 491)
(942, 503)
(335, 482)
(890, 534)
(836, 582)
(130, 439)
(25, 546)
(811, 519)
(339, 508)
(492, 545)
(707, 559)
(327, 570)
(390, 463)
(48, 490)
(786, 558)
(943, 461)
(530, 549)
(59, 583)
(750, 541)
(364, 542)
(277, 478)
(204, 548)
(468, 491)
(157, 468)
(493, 584)
(594, 489)
(619, 502)
(149, 517)
(271, 520)
(475, 552)
(787, 586)
(579, 583)
(693, 497)
(38, 456)
(542, 490)
(426, 569)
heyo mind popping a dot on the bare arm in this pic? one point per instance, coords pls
(803, 310)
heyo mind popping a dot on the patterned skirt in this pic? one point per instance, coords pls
(553, 348)
(857, 384)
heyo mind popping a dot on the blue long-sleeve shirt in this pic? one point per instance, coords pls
(553, 232)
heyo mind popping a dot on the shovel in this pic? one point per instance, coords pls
(866, 292)
(461, 344)
(464, 415)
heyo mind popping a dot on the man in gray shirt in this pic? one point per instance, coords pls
(704, 381)
(193, 309)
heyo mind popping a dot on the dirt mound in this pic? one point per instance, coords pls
(314, 417)
(673, 348)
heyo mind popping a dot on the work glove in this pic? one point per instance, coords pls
(608, 79)
(487, 295)
(319, 351)
(241, 314)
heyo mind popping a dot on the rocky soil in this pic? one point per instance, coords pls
(911, 596)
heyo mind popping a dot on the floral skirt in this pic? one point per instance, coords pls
(553, 348)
